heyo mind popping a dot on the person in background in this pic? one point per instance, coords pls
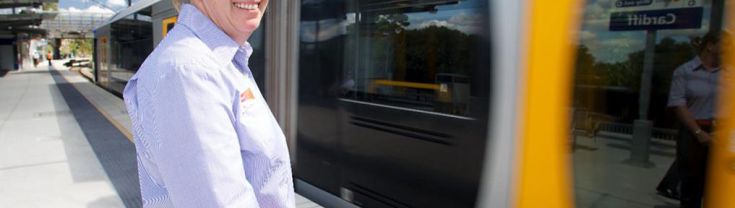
(204, 135)
(36, 58)
(692, 97)
(49, 56)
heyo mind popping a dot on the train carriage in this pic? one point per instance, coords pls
(462, 103)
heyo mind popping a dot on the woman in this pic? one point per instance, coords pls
(692, 97)
(204, 135)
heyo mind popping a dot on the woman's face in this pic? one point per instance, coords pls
(715, 49)
(237, 18)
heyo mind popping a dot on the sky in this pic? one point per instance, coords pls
(463, 16)
(87, 6)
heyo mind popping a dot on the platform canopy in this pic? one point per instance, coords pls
(24, 16)
(74, 24)
(24, 3)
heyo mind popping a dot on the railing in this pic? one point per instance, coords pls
(624, 128)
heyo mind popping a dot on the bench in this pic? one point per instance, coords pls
(75, 64)
(586, 123)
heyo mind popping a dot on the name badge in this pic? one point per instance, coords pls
(247, 99)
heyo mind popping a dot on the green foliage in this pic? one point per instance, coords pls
(51, 6)
(416, 55)
(669, 54)
(79, 47)
(392, 23)
(434, 49)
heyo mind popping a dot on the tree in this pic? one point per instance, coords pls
(51, 6)
(78, 47)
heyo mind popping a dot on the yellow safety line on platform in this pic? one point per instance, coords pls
(544, 175)
(721, 172)
(117, 125)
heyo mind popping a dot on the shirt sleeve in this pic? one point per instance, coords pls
(677, 94)
(198, 152)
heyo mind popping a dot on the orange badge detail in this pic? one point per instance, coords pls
(247, 95)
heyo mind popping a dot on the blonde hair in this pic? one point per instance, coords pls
(177, 3)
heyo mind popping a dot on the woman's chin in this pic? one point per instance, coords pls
(249, 27)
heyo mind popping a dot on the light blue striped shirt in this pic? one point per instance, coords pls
(204, 135)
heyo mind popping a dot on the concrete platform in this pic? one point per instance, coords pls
(45, 157)
(603, 179)
(64, 142)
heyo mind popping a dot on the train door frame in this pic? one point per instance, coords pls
(535, 153)
(507, 18)
(281, 69)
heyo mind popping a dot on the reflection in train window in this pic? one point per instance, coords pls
(631, 144)
(393, 100)
(411, 57)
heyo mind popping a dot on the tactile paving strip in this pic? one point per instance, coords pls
(113, 150)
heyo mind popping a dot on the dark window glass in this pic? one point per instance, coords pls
(131, 41)
(393, 100)
(257, 59)
(170, 26)
(411, 56)
(640, 65)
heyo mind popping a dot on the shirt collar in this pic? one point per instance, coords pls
(224, 48)
(700, 66)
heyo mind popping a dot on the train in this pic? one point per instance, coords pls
(461, 103)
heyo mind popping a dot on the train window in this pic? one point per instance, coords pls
(393, 100)
(645, 88)
(131, 41)
(407, 61)
(417, 57)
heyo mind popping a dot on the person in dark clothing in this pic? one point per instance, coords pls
(669, 185)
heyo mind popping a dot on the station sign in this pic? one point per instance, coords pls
(683, 18)
(623, 5)
(632, 3)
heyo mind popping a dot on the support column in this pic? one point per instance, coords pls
(716, 16)
(281, 67)
(57, 48)
(642, 128)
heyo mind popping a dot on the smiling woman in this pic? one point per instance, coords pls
(195, 147)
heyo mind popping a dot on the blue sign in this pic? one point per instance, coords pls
(632, 3)
(686, 18)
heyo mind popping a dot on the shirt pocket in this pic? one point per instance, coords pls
(252, 125)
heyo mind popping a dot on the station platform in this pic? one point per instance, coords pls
(64, 142)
